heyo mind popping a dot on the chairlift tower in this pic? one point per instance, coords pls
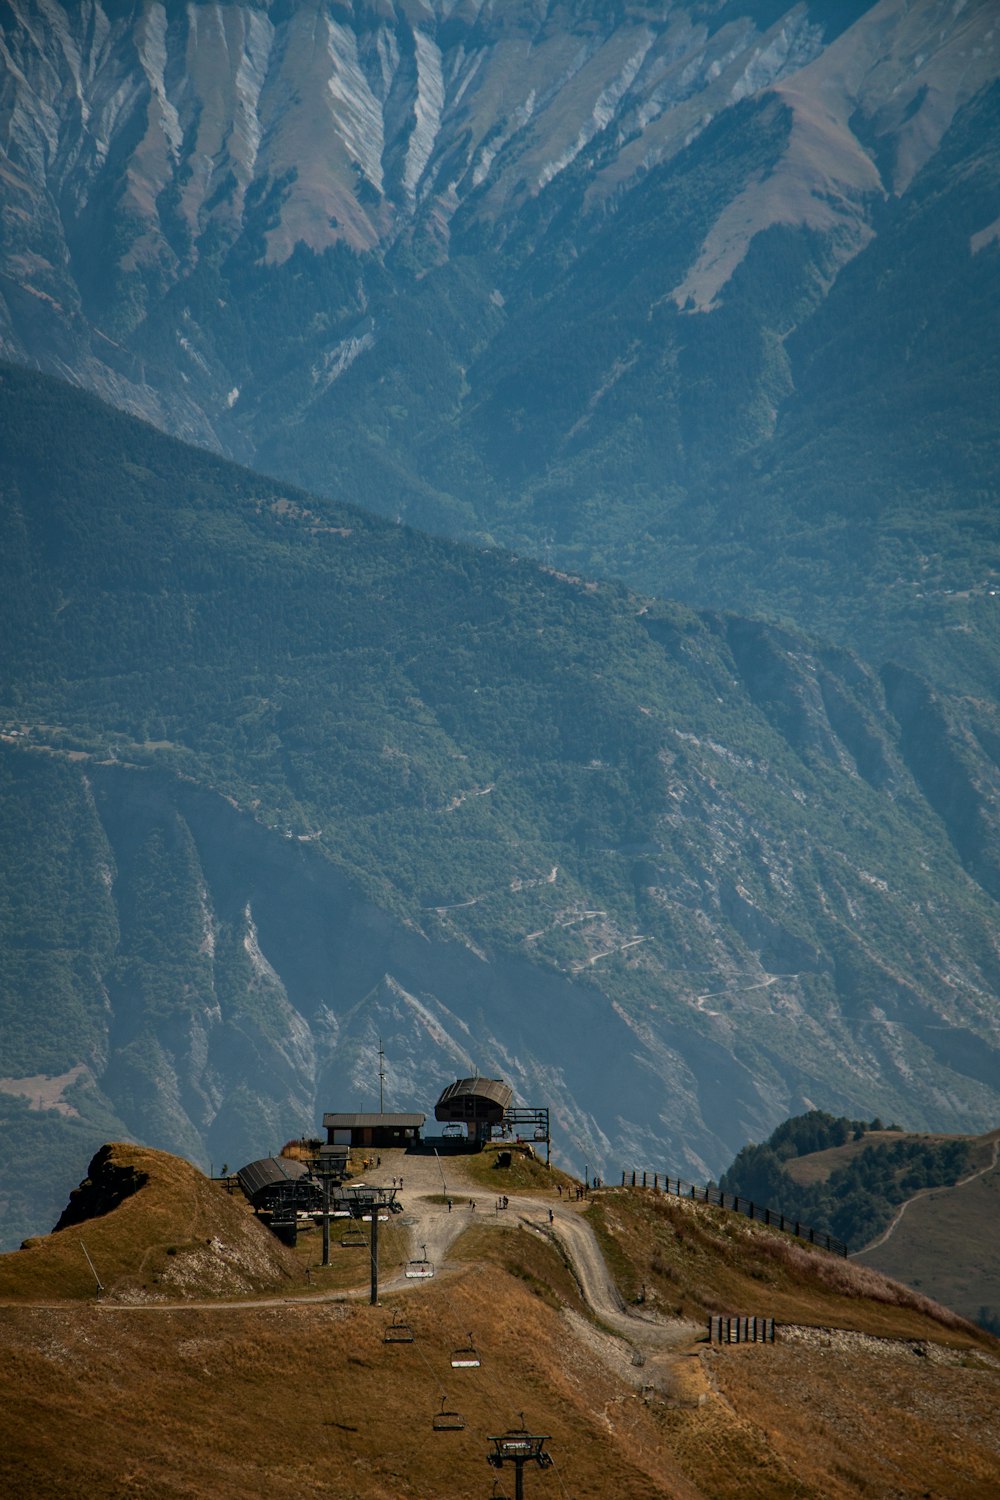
(518, 1446)
(361, 1201)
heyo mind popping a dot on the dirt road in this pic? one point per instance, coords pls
(433, 1226)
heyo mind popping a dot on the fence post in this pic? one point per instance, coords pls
(644, 1179)
(633, 1177)
(623, 1178)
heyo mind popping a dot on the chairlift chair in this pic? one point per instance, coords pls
(397, 1332)
(467, 1358)
(354, 1239)
(420, 1268)
(447, 1421)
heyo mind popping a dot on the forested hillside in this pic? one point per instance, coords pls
(856, 1199)
(281, 778)
(702, 297)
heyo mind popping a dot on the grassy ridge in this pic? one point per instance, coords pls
(198, 1384)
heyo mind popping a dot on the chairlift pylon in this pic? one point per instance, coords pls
(466, 1358)
(447, 1421)
(397, 1332)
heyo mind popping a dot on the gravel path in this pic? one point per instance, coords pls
(432, 1225)
(433, 1229)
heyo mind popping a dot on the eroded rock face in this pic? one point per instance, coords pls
(106, 1185)
(146, 143)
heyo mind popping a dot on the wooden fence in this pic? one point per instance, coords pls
(725, 1330)
(735, 1204)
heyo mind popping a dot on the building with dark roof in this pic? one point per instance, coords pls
(276, 1184)
(477, 1103)
(373, 1129)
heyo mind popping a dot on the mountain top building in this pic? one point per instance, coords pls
(477, 1103)
(376, 1129)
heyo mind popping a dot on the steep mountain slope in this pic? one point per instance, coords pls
(702, 296)
(281, 778)
(157, 1229)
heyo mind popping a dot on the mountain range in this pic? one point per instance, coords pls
(644, 290)
(681, 811)
(283, 779)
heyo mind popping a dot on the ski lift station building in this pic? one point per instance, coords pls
(373, 1129)
(477, 1103)
(276, 1183)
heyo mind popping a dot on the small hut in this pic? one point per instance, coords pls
(379, 1130)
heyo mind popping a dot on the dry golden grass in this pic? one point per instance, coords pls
(534, 1262)
(305, 1399)
(818, 1165)
(179, 1235)
(694, 1260)
(870, 1418)
(217, 1400)
(526, 1173)
(946, 1243)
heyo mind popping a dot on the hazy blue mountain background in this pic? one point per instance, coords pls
(650, 291)
(283, 778)
(702, 298)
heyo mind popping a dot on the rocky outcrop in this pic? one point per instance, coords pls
(107, 1184)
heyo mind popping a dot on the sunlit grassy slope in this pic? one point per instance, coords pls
(192, 1392)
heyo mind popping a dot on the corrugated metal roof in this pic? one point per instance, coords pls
(270, 1169)
(494, 1089)
(373, 1122)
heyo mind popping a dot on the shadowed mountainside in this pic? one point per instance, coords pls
(281, 779)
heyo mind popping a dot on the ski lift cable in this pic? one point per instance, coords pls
(497, 1396)
(498, 1400)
